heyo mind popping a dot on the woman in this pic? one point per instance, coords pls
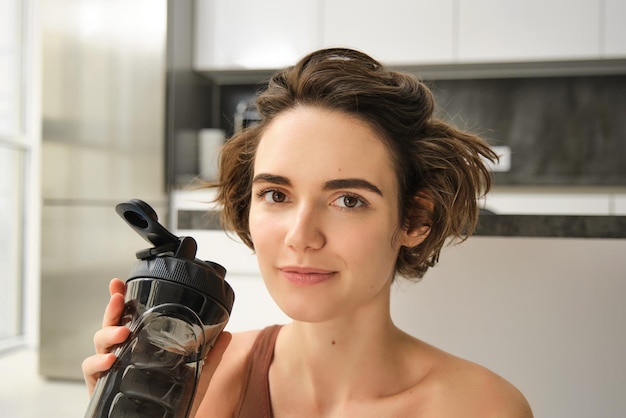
(347, 182)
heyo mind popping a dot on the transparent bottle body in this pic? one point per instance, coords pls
(157, 368)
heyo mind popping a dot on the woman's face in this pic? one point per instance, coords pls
(324, 215)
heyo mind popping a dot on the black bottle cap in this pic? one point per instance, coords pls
(173, 258)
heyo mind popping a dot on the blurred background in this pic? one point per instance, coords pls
(102, 101)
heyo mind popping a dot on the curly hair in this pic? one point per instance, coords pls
(441, 170)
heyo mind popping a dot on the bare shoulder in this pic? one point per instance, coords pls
(224, 388)
(491, 394)
(467, 389)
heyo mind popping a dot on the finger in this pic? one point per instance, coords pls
(114, 310)
(107, 338)
(117, 286)
(94, 366)
(211, 362)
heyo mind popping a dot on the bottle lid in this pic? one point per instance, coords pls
(173, 258)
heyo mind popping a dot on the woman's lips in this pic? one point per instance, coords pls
(305, 275)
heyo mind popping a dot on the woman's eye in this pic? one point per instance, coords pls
(349, 201)
(274, 196)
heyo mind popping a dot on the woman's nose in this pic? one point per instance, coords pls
(305, 230)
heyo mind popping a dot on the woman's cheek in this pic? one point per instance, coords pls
(261, 228)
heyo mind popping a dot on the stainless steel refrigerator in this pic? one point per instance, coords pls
(103, 128)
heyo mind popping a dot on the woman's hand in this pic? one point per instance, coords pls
(108, 337)
(112, 334)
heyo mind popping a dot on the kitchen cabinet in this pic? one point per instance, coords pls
(544, 313)
(614, 32)
(552, 201)
(243, 34)
(276, 33)
(619, 204)
(394, 32)
(533, 30)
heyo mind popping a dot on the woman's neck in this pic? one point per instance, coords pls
(355, 357)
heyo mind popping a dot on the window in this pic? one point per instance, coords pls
(16, 145)
(11, 244)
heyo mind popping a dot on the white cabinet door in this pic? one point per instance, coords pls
(619, 204)
(549, 202)
(243, 34)
(531, 30)
(392, 31)
(614, 28)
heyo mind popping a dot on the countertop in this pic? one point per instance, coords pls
(563, 226)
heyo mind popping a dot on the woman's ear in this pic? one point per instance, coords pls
(420, 217)
(415, 236)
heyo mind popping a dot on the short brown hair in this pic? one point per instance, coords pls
(441, 170)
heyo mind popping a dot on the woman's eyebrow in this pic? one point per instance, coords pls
(351, 184)
(337, 184)
(271, 178)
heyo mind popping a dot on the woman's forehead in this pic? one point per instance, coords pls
(308, 140)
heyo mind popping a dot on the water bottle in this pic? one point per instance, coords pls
(176, 307)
